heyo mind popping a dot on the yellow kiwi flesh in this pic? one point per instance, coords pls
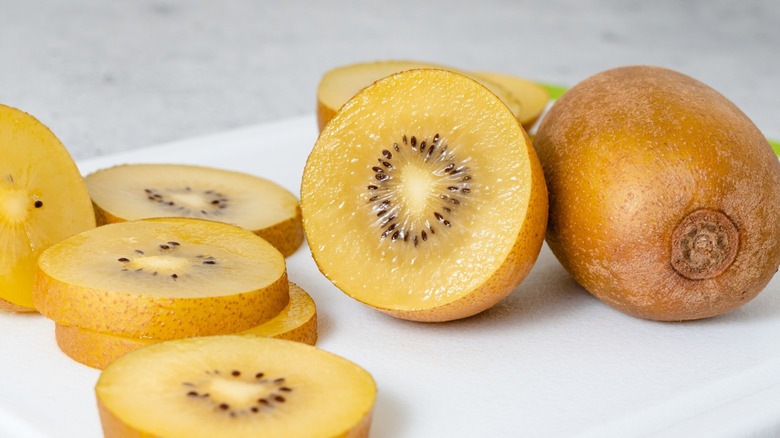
(42, 200)
(236, 386)
(664, 196)
(296, 322)
(424, 198)
(140, 191)
(533, 96)
(162, 278)
(339, 84)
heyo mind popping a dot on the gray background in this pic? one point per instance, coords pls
(107, 76)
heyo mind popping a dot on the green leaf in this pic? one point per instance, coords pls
(555, 91)
(775, 145)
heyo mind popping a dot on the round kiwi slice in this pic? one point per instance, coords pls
(338, 85)
(162, 278)
(140, 191)
(296, 322)
(427, 179)
(42, 200)
(236, 386)
(664, 196)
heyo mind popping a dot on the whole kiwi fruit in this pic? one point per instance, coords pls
(664, 197)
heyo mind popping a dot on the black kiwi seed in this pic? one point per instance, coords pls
(123, 259)
(445, 167)
(38, 204)
(235, 373)
(164, 246)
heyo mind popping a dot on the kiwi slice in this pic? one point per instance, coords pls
(140, 191)
(533, 96)
(296, 322)
(162, 278)
(338, 85)
(236, 386)
(428, 180)
(42, 200)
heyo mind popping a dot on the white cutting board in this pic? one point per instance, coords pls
(549, 361)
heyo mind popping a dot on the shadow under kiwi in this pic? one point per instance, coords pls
(547, 294)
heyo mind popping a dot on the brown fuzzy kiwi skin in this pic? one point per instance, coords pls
(515, 267)
(628, 155)
(99, 358)
(156, 317)
(286, 236)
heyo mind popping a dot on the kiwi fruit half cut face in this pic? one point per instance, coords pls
(234, 386)
(338, 85)
(664, 196)
(296, 322)
(140, 191)
(162, 278)
(424, 198)
(42, 200)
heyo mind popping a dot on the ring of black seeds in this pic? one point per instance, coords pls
(444, 165)
(216, 201)
(270, 402)
(163, 248)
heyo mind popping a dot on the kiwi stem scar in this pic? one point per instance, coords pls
(704, 244)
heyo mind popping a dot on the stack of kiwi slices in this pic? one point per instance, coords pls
(119, 287)
(429, 180)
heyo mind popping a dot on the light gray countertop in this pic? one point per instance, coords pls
(108, 76)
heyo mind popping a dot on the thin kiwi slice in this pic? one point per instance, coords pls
(296, 322)
(236, 386)
(162, 278)
(424, 198)
(339, 84)
(534, 96)
(140, 191)
(42, 200)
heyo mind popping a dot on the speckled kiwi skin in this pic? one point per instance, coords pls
(629, 153)
(513, 270)
(286, 236)
(97, 350)
(156, 317)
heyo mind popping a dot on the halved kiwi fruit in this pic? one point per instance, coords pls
(236, 386)
(296, 322)
(664, 196)
(42, 200)
(338, 85)
(424, 198)
(533, 96)
(140, 191)
(162, 278)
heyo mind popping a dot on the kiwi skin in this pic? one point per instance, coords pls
(632, 154)
(286, 236)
